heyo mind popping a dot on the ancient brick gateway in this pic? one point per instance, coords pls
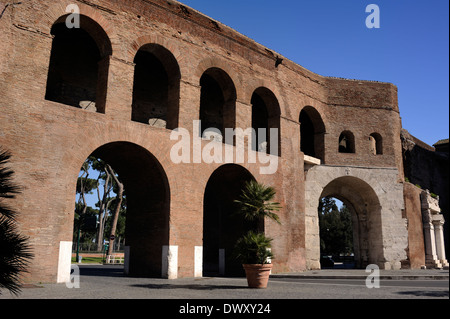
(134, 71)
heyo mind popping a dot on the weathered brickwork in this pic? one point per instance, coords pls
(49, 138)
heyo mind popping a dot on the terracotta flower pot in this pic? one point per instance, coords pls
(257, 275)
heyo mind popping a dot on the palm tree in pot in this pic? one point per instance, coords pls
(254, 248)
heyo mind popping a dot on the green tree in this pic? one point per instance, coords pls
(110, 206)
(15, 252)
(85, 216)
(336, 233)
(119, 190)
(347, 230)
(121, 219)
(254, 205)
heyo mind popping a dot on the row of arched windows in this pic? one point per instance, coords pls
(78, 75)
(312, 132)
(347, 143)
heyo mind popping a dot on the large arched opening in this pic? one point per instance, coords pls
(365, 209)
(78, 70)
(221, 226)
(147, 205)
(336, 234)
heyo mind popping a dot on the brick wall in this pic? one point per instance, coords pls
(413, 209)
(49, 141)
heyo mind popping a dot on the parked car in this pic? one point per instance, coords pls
(326, 261)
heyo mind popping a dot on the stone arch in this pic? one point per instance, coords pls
(365, 207)
(270, 86)
(221, 227)
(166, 43)
(312, 133)
(148, 205)
(211, 63)
(57, 13)
(375, 197)
(156, 88)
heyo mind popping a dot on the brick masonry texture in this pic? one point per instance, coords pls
(50, 141)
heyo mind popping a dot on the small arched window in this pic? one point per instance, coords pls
(376, 144)
(346, 142)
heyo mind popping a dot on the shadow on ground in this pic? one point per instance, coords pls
(189, 287)
(421, 293)
(118, 271)
(109, 271)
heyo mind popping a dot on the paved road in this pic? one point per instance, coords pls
(107, 282)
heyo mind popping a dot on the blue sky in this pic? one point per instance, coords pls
(330, 38)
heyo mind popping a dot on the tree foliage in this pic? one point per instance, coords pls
(253, 248)
(110, 207)
(336, 232)
(15, 252)
(254, 205)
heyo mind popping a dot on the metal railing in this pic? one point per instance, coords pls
(92, 248)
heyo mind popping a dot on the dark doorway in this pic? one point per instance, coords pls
(148, 205)
(336, 234)
(365, 210)
(221, 226)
